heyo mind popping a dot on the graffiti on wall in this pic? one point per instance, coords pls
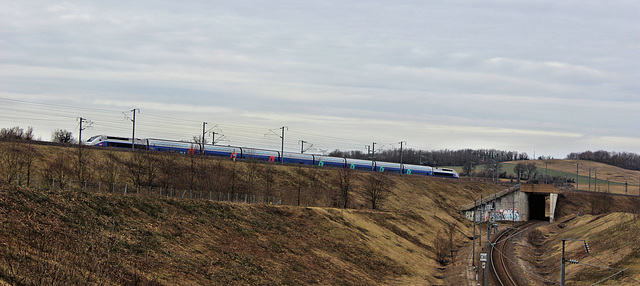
(507, 214)
(499, 214)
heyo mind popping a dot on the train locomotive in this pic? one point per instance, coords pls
(246, 153)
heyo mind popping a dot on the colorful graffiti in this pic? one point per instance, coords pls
(507, 214)
(500, 214)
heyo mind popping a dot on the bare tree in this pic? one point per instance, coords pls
(82, 167)
(110, 166)
(62, 136)
(11, 160)
(30, 154)
(451, 236)
(344, 183)
(376, 189)
(269, 179)
(251, 175)
(300, 181)
(58, 167)
(16, 133)
(152, 167)
(467, 168)
(136, 168)
(314, 185)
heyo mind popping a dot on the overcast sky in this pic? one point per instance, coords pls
(549, 77)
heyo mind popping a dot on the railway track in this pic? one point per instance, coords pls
(501, 272)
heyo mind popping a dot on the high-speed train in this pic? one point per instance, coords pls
(269, 156)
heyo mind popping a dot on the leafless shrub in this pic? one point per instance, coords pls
(252, 170)
(441, 248)
(61, 136)
(376, 189)
(268, 176)
(58, 167)
(16, 133)
(343, 180)
(110, 166)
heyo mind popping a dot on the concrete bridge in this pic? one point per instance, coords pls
(518, 203)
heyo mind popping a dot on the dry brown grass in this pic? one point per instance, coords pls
(604, 171)
(613, 243)
(77, 237)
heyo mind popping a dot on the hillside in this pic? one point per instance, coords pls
(67, 235)
(591, 175)
(612, 240)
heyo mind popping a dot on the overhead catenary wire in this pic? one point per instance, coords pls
(152, 124)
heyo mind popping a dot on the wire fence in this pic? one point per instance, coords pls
(150, 191)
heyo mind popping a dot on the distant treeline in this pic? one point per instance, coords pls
(438, 157)
(626, 160)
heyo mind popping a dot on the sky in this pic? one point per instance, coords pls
(542, 77)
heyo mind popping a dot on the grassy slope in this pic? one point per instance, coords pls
(568, 167)
(613, 243)
(75, 237)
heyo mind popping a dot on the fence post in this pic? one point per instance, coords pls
(149, 193)
(125, 189)
(113, 188)
(36, 182)
(53, 183)
(85, 186)
(99, 186)
(209, 195)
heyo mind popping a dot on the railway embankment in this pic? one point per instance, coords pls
(66, 234)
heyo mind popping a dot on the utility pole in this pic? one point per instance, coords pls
(475, 221)
(562, 263)
(82, 120)
(271, 131)
(513, 208)
(282, 146)
(302, 146)
(202, 139)
(133, 133)
(481, 219)
(213, 137)
(486, 269)
(401, 167)
(373, 156)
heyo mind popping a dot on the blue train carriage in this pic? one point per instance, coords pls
(173, 146)
(417, 170)
(326, 161)
(358, 164)
(297, 158)
(260, 154)
(118, 142)
(445, 172)
(388, 167)
(223, 151)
